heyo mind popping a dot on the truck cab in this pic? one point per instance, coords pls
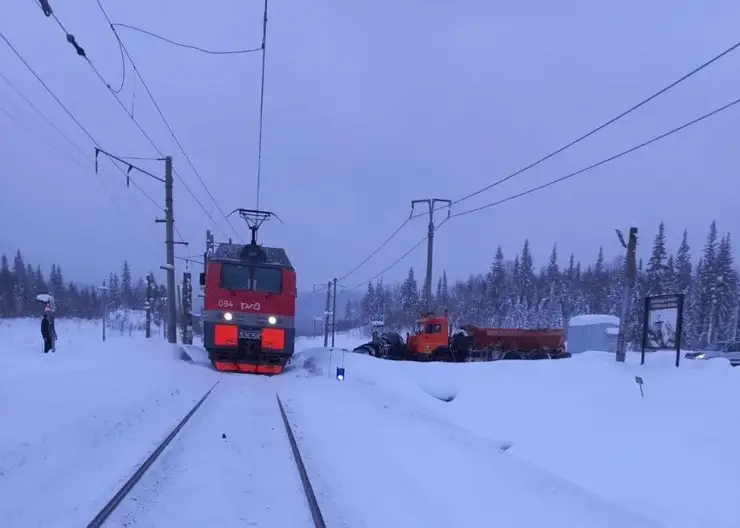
(430, 334)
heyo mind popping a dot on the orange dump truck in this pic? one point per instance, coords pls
(431, 341)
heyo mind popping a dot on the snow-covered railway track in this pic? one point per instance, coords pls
(231, 461)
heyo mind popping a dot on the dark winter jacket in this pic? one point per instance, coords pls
(45, 328)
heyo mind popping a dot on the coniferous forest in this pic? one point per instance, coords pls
(514, 292)
(20, 282)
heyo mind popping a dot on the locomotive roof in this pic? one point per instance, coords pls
(226, 252)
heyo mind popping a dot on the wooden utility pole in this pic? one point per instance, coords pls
(169, 221)
(169, 267)
(427, 301)
(629, 283)
(170, 243)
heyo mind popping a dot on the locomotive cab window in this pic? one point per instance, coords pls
(269, 280)
(238, 277)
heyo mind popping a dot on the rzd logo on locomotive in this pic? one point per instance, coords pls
(251, 306)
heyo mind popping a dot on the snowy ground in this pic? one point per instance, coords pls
(521, 444)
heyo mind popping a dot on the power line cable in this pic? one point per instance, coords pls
(188, 46)
(38, 136)
(399, 259)
(65, 136)
(558, 151)
(40, 113)
(169, 128)
(611, 121)
(66, 110)
(602, 162)
(376, 251)
(66, 153)
(559, 180)
(81, 52)
(262, 103)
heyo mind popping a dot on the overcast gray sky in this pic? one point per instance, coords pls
(369, 105)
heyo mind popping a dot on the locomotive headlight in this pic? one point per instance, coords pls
(228, 316)
(272, 320)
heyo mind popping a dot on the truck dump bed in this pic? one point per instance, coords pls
(515, 338)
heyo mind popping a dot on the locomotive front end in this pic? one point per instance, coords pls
(249, 316)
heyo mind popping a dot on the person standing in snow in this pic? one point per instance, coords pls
(46, 333)
(48, 330)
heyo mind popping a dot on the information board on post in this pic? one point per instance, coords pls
(662, 324)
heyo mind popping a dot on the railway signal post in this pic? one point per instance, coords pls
(187, 308)
(326, 314)
(430, 244)
(103, 304)
(148, 304)
(334, 312)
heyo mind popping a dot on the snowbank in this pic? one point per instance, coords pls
(376, 433)
(567, 443)
(585, 420)
(76, 422)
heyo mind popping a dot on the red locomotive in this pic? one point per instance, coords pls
(249, 307)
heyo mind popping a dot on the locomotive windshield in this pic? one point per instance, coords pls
(251, 278)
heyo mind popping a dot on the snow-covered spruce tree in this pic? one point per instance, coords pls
(72, 300)
(697, 309)
(442, 299)
(574, 302)
(114, 292)
(40, 281)
(348, 315)
(706, 299)
(682, 283)
(33, 289)
(526, 280)
(395, 315)
(637, 308)
(598, 285)
(382, 305)
(410, 297)
(126, 286)
(7, 305)
(52, 283)
(21, 287)
(551, 304)
(445, 289)
(617, 280)
(657, 276)
(367, 299)
(726, 290)
(438, 296)
(498, 291)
